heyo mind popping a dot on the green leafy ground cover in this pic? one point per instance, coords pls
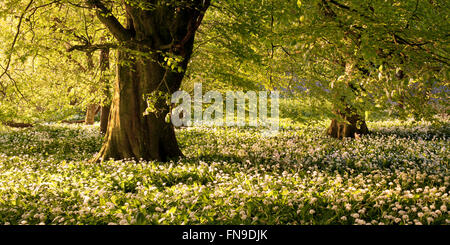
(397, 175)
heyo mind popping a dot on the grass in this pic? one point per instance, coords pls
(397, 175)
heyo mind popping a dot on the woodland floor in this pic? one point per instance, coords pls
(397, 175)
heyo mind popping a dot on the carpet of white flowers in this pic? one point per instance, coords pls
(397, 175)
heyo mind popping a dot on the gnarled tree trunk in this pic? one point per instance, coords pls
(164, 30)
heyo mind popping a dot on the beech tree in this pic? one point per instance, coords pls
(154, 42)
(154, 33)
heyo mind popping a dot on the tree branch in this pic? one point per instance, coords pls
(92, 47)
(193, 28)
(342, 6)
(111, 22)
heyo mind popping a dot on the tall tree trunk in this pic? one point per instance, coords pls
(165, 30)
(106, 103)
(131, 134)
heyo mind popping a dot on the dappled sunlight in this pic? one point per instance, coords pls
(229, 176)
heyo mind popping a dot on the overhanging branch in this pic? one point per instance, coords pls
(111, 22)
(92, 47)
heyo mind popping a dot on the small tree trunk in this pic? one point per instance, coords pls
(106, 103)
(352, 125)
(91, 111)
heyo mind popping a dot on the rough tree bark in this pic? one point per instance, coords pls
(163, 29)
(350, 124)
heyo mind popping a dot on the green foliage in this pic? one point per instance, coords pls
(370, 55)
(335, 49)
(388, 57)
(303, 110)
(154, 100)
(44, 81)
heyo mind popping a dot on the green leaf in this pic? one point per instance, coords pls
(167, 119)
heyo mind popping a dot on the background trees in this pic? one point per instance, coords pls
(359, 55)
(44, 81)
(376, 53)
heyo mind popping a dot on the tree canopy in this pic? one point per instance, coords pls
(367, 55)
